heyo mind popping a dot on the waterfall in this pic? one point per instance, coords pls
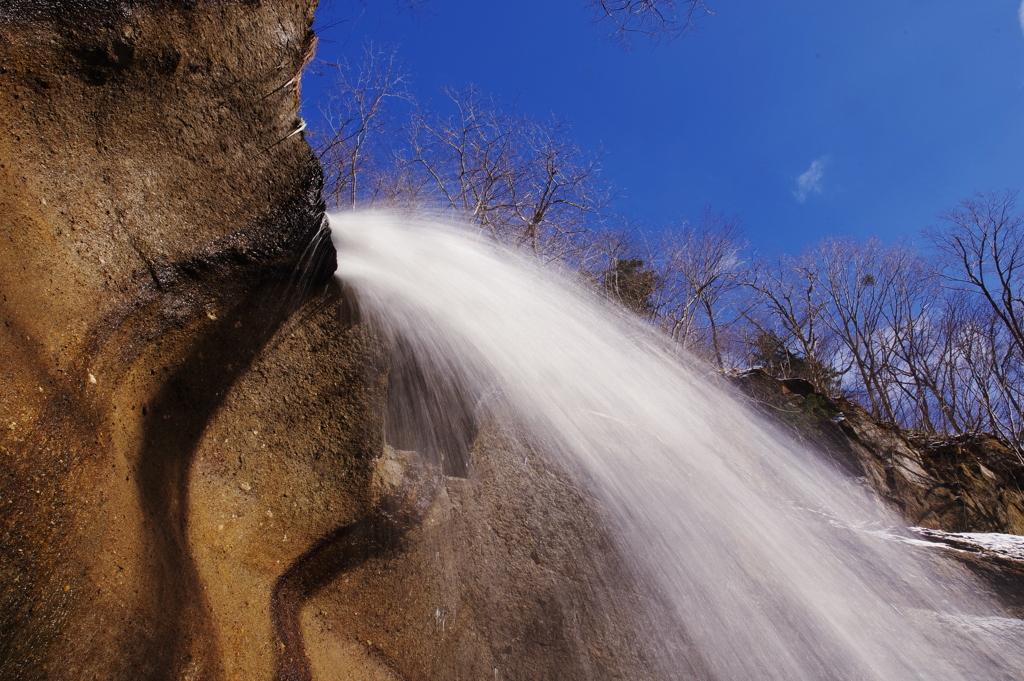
(775, 565)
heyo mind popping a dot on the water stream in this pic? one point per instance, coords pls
(776, 565)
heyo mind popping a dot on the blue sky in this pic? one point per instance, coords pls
(804, 117)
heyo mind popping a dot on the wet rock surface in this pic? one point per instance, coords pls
(512, 574)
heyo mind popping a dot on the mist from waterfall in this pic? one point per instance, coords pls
(775, 565)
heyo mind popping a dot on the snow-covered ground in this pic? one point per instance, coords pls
(1010, 546)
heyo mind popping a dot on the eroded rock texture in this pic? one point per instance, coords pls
(195, 480)
(155, 201)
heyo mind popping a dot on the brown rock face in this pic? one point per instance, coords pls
(195, 480)
(154, 199)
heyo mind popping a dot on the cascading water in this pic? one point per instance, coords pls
(773, 562)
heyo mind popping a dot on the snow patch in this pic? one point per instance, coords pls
(1006, 545)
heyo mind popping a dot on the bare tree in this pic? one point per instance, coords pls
(981, 260)
(523, 181)
(653, 19)
(983, 252)
(857, 280)
(988, 377)
(916, 322)
(790, 308)
(702, 270)
(360, 120)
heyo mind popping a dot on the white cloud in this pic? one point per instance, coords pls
(1020, 13)
(810, 182)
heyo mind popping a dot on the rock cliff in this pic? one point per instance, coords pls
(971, 483)
(196, 483)
(156, 197)
(947, 489)
(195, 479)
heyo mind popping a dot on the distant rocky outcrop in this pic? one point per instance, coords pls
(970, 483)
(947, 489)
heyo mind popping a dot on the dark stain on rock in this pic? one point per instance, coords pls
(343, 550)
(101, 63)
(174, 426)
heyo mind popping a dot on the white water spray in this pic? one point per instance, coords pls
(752, 540)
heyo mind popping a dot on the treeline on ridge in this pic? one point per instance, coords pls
(930, 339)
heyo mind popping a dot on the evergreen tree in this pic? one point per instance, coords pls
(628, 282)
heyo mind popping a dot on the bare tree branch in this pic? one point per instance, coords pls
(651, 19)
(360, 120)
(702, 269)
